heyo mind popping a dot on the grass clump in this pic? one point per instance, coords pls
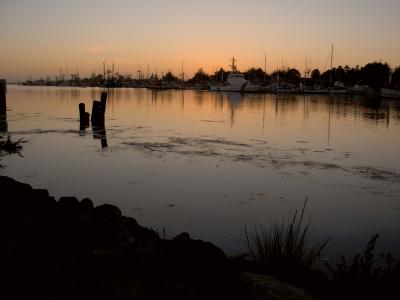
(9, 146)
(282, 248)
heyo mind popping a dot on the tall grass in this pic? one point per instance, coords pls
(283, 247)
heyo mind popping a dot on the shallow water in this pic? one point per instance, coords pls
(213, 163)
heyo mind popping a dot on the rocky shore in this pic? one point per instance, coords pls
(69, 249)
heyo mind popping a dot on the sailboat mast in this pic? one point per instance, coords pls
(183, 74)
(265, 65)
(330, 78)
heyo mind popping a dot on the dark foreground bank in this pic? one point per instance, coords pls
(69, 249)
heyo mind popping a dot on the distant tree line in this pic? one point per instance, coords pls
(375, 75)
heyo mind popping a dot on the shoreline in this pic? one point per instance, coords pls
(69, 249)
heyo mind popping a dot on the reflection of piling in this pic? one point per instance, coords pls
(100, 133)
(98, 119)
(3, 106)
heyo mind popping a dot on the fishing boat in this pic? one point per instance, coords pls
(236, 82)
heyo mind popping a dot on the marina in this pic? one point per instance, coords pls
(202, 150)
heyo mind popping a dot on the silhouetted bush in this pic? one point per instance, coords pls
(360, 279)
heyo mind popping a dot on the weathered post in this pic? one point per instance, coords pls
(3, 104)
(95, 113)
(83, 115)
(103, 100)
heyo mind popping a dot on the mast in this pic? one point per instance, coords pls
(265, 65)
(233, 66)
(183, 74)
(330, 78)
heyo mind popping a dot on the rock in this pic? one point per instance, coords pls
(86, 204)
(108, 211)
(70, 250)
(69, 203)
(269, 288)
(184, 236)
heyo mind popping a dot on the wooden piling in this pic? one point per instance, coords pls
(83, 115)
(95, 112)
(103, 100)
(3, 103)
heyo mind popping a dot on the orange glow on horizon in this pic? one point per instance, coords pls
(81, 36)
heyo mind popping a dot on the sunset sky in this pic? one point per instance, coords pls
(40, 36)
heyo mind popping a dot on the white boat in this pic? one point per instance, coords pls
(338, 88)
(281, 88)
(358, 89)
(236, 83)
(315, 89)
(390, 93)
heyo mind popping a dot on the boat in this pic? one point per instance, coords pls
(358, 89)
(390, 93)
(281, 88)
(315, 89)
(236, 82)
(158, 84)
(337, 88)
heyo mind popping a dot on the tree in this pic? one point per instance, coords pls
(375, 74)
(220, 76)
(170, 77)
(200, 76)
(315, 75)
(255, 75)
(353, 76)
(293, 76)
(396, 78)
(340, 74)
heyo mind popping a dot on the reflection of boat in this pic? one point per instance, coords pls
(138, 84)
(236, 83)
(390, 93)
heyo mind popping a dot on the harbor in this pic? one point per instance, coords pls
(374, 79)
(202, 150)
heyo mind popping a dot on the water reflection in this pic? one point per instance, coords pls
(3, 106)
(245, 159)
(3, 124)
(100, 133)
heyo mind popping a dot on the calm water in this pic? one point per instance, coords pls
(211, 163)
